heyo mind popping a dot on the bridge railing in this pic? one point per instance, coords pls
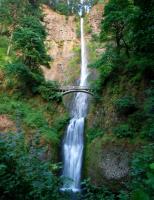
(74, 88)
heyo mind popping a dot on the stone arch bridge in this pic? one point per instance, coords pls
(71, 89)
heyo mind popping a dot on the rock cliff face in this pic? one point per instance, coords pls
(61, 40)
(6, 124)
(95, 17)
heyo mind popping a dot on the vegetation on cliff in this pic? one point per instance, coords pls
(124, 112)
(38, 118)
(69, 7)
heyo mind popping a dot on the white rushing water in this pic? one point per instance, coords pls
(73, 141)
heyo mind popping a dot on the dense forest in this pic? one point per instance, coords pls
(33, 117)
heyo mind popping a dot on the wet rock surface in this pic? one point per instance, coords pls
(107, 162)
(6, 124)
(114, 162)
(95, 17)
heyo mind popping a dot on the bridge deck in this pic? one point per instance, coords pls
(69, 89)
(65, 88)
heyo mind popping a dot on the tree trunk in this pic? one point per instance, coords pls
(127, 48)
(118, 44)
(10, 44)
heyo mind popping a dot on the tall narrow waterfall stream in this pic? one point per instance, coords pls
(73, 141)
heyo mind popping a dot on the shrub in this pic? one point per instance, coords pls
(31, 117)
(105, 73)
(50, 135)
(123, 130)
(148, 112)
(61, 7)
(31, 80)
(103, 36)
(61, 122)
(95, 37)
(93, 192)
(148, 129)
(22, 77)
(149, 103)
(125, 105)
(23, 174)
(93, 133)
(34, 24)
(33, 53)
(105, 67)
(4, 41)
(142, 173)
(48, 91)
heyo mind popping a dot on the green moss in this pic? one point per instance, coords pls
(74, 65)
(123, 130)
(35, 115)
(87, 26)
(78, 34)
(4, 42)
(126, 105)
(93, 133)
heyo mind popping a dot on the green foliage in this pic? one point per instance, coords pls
(142, 173)
(76, 58)
(23, 174)
(48, 91)
(11, 11)
(63, 8)
(122, 29)
(87, 26)
(53, 134)
(148, 125)
(61, 122)
(141, 65)
(32, 117)
(116, 21)
(123, 195)
(106, 69)
(149, 102)
(123, 131)
(34, 24)
(148, 129)
(125, 105)
(60, 6)
(93, 133)
(139, 195)
(95, 37)
(31, 47)
(22, 77)
(78, 31)
(24, 73)
(73, 7)
(3, 51)
(143, 28)
(92, 55)
(139, 186)
(92, 192)
(104, 36)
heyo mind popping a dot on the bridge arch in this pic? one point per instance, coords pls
(73, 91)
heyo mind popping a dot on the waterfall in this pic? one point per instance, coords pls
(73, 142)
